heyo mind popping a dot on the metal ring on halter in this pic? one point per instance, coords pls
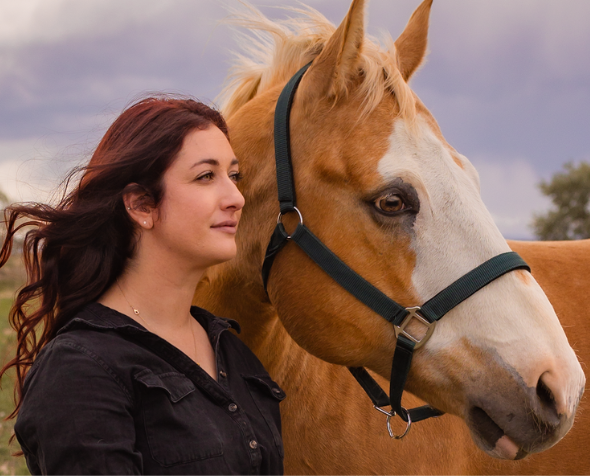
(392, 414)
(280, 218)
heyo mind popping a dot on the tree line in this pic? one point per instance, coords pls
(569, 217)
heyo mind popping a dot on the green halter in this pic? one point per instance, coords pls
(429, 313)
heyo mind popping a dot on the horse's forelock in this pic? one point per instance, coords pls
(273, 50)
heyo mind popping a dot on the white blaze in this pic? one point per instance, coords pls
(454, 233)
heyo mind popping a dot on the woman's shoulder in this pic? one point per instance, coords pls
(68, 361)
(100, 333)
(74, 391)
(99, 340)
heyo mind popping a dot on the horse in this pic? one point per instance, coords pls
(377, 182)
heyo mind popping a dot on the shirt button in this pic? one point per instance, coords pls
(253, 444)
(222, 374)
(232, 407)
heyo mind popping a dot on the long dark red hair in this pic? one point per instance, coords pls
(76, 250)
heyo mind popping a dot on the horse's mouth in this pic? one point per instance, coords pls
(491, 438)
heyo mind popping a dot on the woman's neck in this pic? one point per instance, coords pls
(158, 296)
(161, 290)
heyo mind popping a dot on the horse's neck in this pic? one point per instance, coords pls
(227, 291)
(329, 424)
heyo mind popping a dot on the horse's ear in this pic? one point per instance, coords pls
(411, 44)
(337, 64)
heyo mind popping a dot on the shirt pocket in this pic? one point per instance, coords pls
(179, 429)
(267, 395)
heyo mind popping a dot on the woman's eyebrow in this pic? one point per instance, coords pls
(213, 162)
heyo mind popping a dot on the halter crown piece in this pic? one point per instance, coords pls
(429, 313)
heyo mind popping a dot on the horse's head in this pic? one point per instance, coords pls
(379, 185)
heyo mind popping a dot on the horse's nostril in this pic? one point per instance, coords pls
(548, 401)
(545, 395)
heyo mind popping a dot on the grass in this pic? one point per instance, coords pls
(12, 277)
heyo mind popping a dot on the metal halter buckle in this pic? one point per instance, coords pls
(392, 414)
(280, 218)
(414, 314)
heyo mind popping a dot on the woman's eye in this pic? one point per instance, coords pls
(236, 177)
(390, 203)
(206, 176)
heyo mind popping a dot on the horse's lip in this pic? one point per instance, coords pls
(492, 437)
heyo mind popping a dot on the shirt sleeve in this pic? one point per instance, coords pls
(76, 416)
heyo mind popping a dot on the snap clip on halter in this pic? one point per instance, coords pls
(392, 414)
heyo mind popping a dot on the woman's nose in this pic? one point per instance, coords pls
(234, 198)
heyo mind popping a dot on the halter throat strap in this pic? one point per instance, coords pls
(429, 313)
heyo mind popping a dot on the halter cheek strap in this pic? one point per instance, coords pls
(428, 314)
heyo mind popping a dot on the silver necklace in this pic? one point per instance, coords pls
(136, 312)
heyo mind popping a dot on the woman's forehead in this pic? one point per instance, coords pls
(209, 147)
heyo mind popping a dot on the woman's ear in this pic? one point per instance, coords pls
(140, 205)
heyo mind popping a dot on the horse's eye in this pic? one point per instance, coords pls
(391, 203)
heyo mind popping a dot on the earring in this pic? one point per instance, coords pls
(145, 222)
(128, 208)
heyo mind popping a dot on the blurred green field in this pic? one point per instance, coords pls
(11, 278)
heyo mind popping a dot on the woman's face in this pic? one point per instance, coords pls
(199, 214)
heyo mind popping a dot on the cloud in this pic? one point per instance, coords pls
(63, 60)
(28, 22)
(26, 171)
(548, 129)
(57, 68)
(509, 188)
(507, 80)
(525, 40)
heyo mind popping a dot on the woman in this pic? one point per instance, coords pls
(116, 372)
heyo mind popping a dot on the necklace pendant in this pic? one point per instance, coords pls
(136, 311)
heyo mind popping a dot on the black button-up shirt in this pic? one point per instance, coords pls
(106, 396)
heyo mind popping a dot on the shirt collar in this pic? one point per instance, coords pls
(98, 316)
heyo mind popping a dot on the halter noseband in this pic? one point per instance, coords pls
(428, 314)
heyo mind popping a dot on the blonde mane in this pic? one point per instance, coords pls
(272, 51)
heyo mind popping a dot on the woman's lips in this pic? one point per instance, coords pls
(230, 226)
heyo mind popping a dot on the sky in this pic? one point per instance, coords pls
(507, 80)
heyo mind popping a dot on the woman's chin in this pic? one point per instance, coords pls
(221, 255)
